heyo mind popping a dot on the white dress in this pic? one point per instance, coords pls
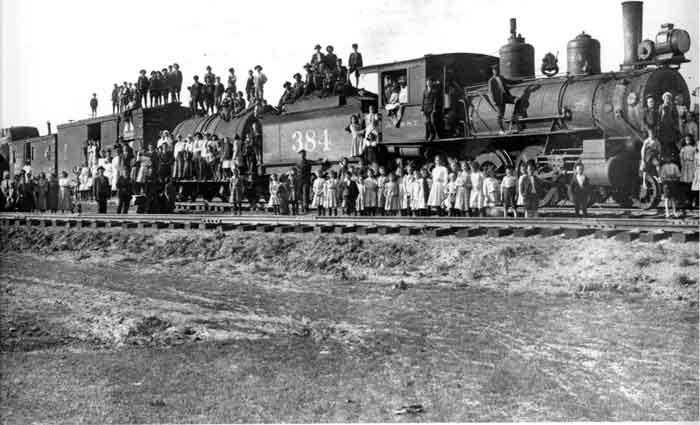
(406, 191)
(491, 191)
(476, 196)
(437, 190)
(417, 194)
(318, 193)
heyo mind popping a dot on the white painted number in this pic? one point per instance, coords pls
(308, 141)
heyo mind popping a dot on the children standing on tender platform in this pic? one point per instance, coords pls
(349, 194)
(274, 201)
(451, 194)
(330, 194)
(391, 195)
(508, 192)
(529, 187)
(371, 195)
(317, 188)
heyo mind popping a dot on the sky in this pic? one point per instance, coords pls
(55, 54)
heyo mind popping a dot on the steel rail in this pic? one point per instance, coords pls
(641, 224)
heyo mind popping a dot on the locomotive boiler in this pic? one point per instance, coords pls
(584, 115)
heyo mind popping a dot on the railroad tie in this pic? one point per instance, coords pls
(323, 228)
(627, 236)
(497, 232)
(366, 230)
(524, 232)
(385, 230)
(438, 232)
(575, 233)
(246, 227)
(469, 232)
(683, 237)
(264, 228)
(342, 229)
(303, 228)
(653, 236)
(283, 228)
(548, 232)
(606, 233)
(408, 230)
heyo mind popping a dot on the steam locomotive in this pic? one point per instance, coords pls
(583, 115)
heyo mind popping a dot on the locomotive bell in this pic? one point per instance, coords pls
(517, 58)
(583, 55)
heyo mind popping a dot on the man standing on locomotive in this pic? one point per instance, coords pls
(177, 82)
(429, 109)
(669, 131)
(498, 90)
(259, 80)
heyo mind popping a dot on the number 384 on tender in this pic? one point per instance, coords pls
(311, 140)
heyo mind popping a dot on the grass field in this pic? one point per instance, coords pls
(166, 326)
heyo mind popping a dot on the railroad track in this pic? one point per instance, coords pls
(624, 229)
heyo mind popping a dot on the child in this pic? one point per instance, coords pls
(360, 201)
(349, 194)
(358, 135)
(292, 183)
(330, 194)
(317, 188)
(381, 199)
(251, 193)
(462, 196)
(651, 150)
(236, 192)
(406, 188)
(688, 165)
(490, 189)
(371, 189)
(391, 195)
(670, 176)
(274, 201)
(476, 199)
(522, 173)
(508, 192)
(529, 189)
(418, 192)
(451, 194)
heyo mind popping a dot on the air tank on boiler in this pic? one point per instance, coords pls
(517, 58)
(583, 55)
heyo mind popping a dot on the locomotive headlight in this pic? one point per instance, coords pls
(632, 99)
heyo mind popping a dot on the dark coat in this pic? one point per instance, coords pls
(101, 188)
(578, 192)
(430, 101)
(650, 121)
(196, 90)
(498, 90)
(355, 61)
(124, 187)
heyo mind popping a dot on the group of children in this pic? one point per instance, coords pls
(462, 188)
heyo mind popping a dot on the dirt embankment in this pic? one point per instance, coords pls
(583, 267)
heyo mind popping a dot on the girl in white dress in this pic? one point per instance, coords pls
(274, 201)
(476, 197)
(451, 194)
(360, 201)
(418, 192)
(391, 194)
(687, 157)
(405, 191)
(491, 190)
(381, 199)
(437, 189)
(462, 198)
(330, 194)
(317, 188)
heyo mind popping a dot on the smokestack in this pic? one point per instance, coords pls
(513, 28)
(632, 18)
(48, 125)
